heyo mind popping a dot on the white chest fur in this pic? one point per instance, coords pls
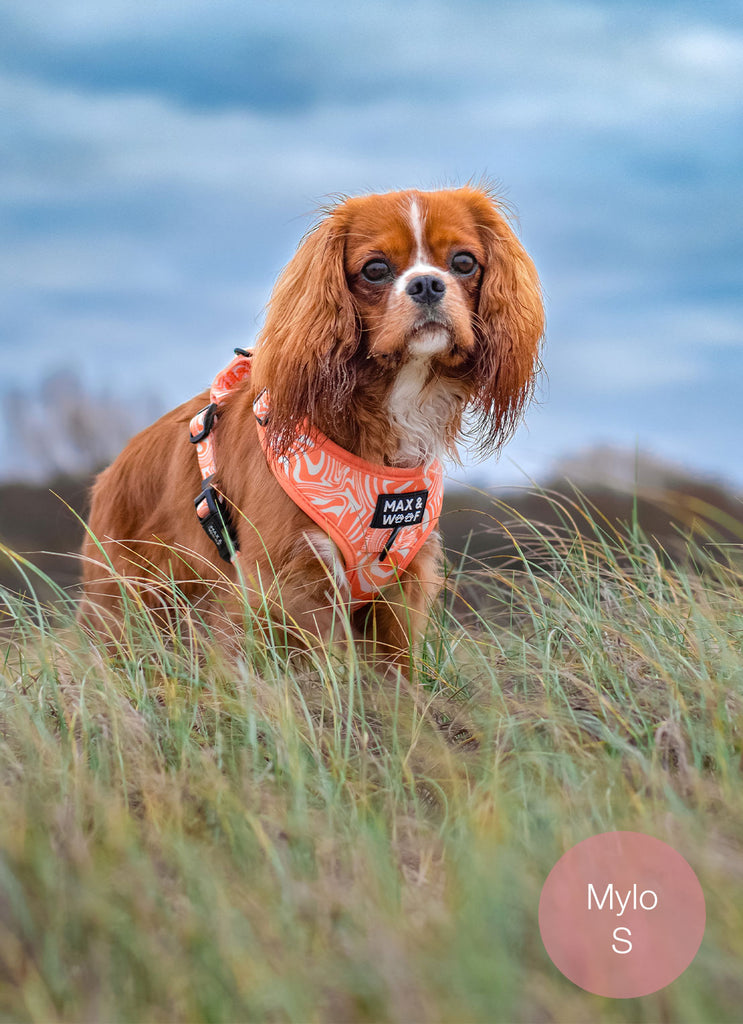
(421, 406)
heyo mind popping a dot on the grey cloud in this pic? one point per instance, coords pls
(149, 203)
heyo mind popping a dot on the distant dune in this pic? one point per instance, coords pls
(36, 519)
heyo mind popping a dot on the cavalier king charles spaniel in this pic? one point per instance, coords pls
(399, 315)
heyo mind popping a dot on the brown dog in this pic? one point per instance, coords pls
(398, 314)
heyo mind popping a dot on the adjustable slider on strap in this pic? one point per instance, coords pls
(216, 522)
(208, 413)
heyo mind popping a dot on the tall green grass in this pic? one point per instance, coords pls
(190, 836)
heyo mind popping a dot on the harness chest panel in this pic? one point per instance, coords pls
(378, 516)
(362, 506)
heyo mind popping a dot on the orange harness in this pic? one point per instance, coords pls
(378, 516)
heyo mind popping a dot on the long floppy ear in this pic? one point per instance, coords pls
(509, 327)
(303, 355)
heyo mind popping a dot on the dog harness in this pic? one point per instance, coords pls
(378, 516)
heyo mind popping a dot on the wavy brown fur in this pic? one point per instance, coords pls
(379, 373)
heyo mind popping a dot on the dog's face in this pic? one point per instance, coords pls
(414, 264)
(436, 278)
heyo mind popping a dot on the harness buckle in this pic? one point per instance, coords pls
(215, 519)
(208, 412)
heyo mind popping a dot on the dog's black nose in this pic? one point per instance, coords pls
(426, 289)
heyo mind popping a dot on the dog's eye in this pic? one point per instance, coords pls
(376, 271)
(463, 263)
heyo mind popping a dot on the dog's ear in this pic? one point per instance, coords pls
(509, 326)
(312, 330)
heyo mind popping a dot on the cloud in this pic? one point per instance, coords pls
(547, 59)
(164, 159)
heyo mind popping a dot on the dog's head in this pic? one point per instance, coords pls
(437, 280)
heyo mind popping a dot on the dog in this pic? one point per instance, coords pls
(400, 315)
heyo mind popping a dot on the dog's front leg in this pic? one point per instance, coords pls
(309, 598)
(395, 622)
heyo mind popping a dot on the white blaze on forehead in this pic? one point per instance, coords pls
(416, 223)
(419, 265)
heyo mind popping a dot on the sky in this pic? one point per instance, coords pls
(161, 160)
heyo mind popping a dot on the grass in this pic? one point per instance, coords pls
(187, 837)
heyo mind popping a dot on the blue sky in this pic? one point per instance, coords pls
(161, 161)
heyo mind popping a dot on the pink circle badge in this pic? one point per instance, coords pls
(622, 914)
